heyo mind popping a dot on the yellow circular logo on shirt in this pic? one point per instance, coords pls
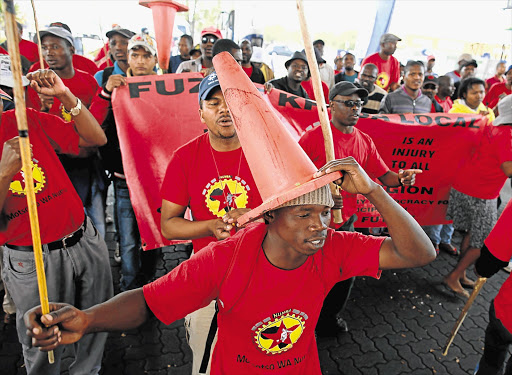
(226, 195)
(383, 80)
(17, 186)
(280, 334)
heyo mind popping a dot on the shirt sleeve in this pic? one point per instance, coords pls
(504, 143)
(376, 167)
(191, 285)
(499, 241)
(384, 105)
(174, 187)
(357, 254)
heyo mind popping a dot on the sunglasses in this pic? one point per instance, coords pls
(350, 103)
(206, 39)
(429, 86)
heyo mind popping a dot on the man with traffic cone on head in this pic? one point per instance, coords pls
(270, 278)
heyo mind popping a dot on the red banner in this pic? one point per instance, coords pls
(157, 114)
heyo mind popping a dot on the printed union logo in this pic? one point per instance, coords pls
(17, 186)
(281, 334)
(225, 195)
(382, 79)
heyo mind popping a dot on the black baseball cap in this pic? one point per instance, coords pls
(471, 62)
(123, 32)
(346, 88)
(430, 79)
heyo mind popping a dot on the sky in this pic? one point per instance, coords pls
(456, 23)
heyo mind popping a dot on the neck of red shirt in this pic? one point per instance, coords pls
(383, 56)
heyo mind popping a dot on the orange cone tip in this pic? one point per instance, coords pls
(164, 12)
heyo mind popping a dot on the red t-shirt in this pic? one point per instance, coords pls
(308, 86)
(491, 81)
(79, 62)
(60, 210)
(499, 243)
(271, 327)
(357, 144)
(192, 180)
(248, 70)
(389, 70)
(446, 104)
(82, 85)
(29, 50)
(492, 98)
(494, 150)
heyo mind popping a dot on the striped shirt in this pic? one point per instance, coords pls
(374, 100)
(400, 102)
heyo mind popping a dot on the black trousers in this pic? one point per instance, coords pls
(337, 298)
(497, 341)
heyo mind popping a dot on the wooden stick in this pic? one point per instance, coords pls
(320, 100)
(39, 47)
(478, 286)
(26, 157)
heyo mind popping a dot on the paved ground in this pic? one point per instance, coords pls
(397, 325)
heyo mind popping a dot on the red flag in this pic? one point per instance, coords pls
(157, 114)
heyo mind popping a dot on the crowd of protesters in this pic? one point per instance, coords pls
(71, 116)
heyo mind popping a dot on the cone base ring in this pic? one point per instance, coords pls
(276, 201)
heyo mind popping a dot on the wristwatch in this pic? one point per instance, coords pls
(75, 110)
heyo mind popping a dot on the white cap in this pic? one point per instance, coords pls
(6, 77)
(505, 111)
(257, 55)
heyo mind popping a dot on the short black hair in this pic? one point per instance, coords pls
(349, 53)
(412, 63)
(188, 38)
(468, 83)
(224, 45)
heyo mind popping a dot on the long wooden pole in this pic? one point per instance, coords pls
(26, 158)
(39, 47)
(320, 100)
(478, 286)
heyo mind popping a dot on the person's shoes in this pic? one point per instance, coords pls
(342, 324)
(460, 292)
(476, 368)
(508, 268)
(117, 254)
(436, 248)
(10, 319)
(448, 248)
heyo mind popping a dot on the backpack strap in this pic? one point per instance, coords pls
(107, 72)
(209, 341)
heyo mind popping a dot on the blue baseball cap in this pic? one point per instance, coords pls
(208, 83)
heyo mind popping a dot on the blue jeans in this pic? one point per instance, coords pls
(95, 208)
(441, 233)
(129, 237)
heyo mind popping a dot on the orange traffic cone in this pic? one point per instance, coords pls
(281, 169)
(163, 20)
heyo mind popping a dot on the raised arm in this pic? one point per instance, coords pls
(408, 246)
(46, 82)
(67, 324)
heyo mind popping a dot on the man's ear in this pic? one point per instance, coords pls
(269, 216)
